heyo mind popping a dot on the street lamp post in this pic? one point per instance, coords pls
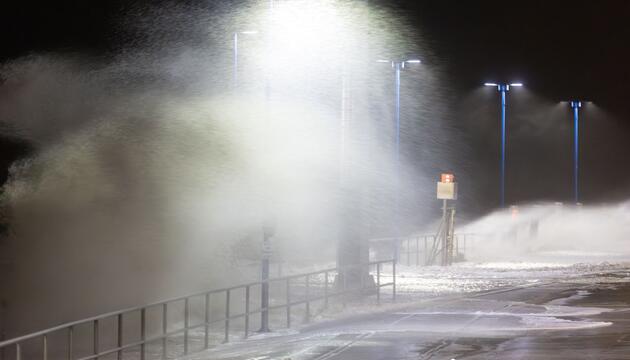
(235, 54)
(398, 66)
(575, 106)
(503, 89)
(268, 226)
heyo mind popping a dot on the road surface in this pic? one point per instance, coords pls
(577, 318)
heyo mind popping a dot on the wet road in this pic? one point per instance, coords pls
(586, 318)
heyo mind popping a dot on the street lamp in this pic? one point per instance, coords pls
(575, 106)
(398, 66)
(503, 89)
(235, 53)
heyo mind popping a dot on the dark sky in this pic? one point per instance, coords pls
(559, 49)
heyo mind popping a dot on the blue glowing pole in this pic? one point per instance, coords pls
(576, 115)
(398, 66)
(503, 89)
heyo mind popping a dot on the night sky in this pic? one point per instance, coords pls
(559, 49)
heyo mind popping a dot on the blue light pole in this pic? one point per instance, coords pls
(503, 89)
(398, 66)
(235, 54)
(576, 105)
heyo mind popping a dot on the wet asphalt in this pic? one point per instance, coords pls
(585, 318)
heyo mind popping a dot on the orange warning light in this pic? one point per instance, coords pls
(447, 178)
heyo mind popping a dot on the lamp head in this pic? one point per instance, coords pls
(503, 86)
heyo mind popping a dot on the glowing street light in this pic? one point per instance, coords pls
(503, 89)
(398, 66)
(575, 106)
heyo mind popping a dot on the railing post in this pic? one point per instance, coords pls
(246, 311)
(345, 285)
(70, 342)
(288, 286)
(378, 283)
(119, 334)
(361, 277)
(307, 316)
(18, 351)
(426, 250)
(464, 244)
(206, 339)
(394, 281)
(326, 289)
(186, 324)
(393, 245)
(45, 347)
(95, 338)
(418, 251)
(408, 252)
(264, 306)
(227, 316)
(143, 333)
(456, 244)
(264, 297)
(164, 329)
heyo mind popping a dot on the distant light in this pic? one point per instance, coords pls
(516, 84)
(415, 61)
(490, 84)
(249, 32)
(447, 178)
(581, 102)
(383, 61)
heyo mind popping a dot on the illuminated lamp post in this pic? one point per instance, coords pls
(503, 89)
(398, 66)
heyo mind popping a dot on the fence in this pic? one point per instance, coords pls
(300, 290)
(419, 249)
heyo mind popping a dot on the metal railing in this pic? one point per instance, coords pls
(304, 283)
(417, 249)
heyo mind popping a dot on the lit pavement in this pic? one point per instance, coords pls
(586, 318)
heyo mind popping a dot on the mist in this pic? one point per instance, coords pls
(552, 233)
(154, 170)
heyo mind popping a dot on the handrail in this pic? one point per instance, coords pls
(413, 236)
(94, 320)
(429, 252)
